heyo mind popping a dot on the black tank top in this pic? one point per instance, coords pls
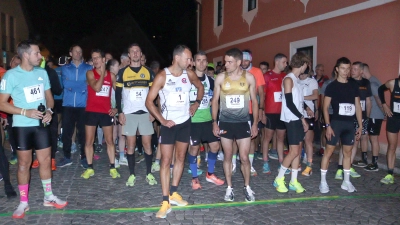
(395, 99)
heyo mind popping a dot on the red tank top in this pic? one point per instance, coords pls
(273, 92)
(100, 102)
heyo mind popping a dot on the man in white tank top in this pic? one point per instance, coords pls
(173, 84)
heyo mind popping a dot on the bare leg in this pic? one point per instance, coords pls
(89, 136)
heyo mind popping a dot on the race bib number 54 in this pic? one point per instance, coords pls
(34, 93)
(347, 109)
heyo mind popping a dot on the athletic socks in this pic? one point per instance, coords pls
(364, 156)
(148, 159)
(131, 163)
(251, 158)
(90, 166)
(282, 171)
(23, 192)
(193, 165)
(157, 161)
(346, 176)
(340, 167)
(374, 160)
(173, 189)
(234, 160)
(390, 171)
(323, 175)
(112, 165)
(165, 198)
(121, 154)
(47, 187)
(212, 158)
(294, 174)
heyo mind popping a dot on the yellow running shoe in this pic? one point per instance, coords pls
(307, 171)
(176, 199)
(388, 179)
(164, 210)
(114, 173)
(296, 186)
(88, 173)
(150, 179)
(131, 180)
(280, 185)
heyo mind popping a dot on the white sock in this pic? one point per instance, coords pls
(346, 175)
(234, 160)
(282, 171)
(294, 175)
(251, 159)
(323, 175)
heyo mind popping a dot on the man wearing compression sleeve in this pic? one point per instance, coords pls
(29, 87)
(234, 89)
(173, 85)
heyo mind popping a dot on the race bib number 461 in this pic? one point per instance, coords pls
(235, 101)
(347, 109)
(34, 93)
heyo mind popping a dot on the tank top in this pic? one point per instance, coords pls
(273, 92)
(298, 99)
(174, 97)
(203, 113)
(234, 100)
(395, 99)
(100, 102)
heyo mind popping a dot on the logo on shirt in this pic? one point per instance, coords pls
(178, 89)
(273, 79)
(184, 80)
(40, 78)
(241, 84)
(227, 84)
(170, 83)
(142, 75)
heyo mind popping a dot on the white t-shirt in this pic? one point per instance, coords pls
(308, 85)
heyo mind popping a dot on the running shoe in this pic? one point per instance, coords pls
(155, 167)
(13, 160)
(88, 173)
(176, 199)
(296, 186)
(99, 148)
(388, 179)
(164, 210)
(53, 201)
(84, 163)
(249, 194)
(323, 187)
(348, 186)
(253, 172)
(114, 173)
(260, 156)
(229, 196)
(214, 179)
(307, 171)
(19, 213)
(116, 163)
(123, 161)
(280, 185)
(35, 164)
(339, 174)
(360, 163)
(64, 162)
(371, 167)
(220, 156)
(353, 173)
(273, 154)
(150, 179)
(139, 158)
(53, 165)
(266, 168)
(73, 148)
(131, 180)
(196, 184)
(199, 172)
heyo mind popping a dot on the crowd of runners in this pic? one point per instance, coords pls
(235, 111)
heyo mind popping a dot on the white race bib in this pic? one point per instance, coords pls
(34, 93)
(205, 102)
(177, 98)
(396, 107)
(105, 91)
(235, 101)
(137, 94)
(278, 96)
(193, 96)
(362, 102)
(347, 109)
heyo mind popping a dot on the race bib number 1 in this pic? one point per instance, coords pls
(34, 93)
(278, 96)
(104, 92)
(347, 109)
(396, 107)
(177, 98)
(235, 101)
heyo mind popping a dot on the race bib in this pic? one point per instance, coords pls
(235, 101)
(105, 91)
(278, 96)
(205, 102)
(347, 109)
(396, 107)
(193, 96)
(34, 93)
(362, 102)
(177, 98)
(138, 94)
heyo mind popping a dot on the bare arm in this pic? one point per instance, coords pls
(329, 132)
(359, 117)
(214, 103)
(368, 106)
(93, 83)
(313, 96)
(254, 104)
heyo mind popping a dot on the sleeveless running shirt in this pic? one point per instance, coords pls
(298, 100)
(174, 97)
(203, 113)
(395, 99)
(273, 92)
(100, 102)
(234, 100)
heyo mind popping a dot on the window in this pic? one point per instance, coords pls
(3, 32)
(251, 4)
(219, 13)
(218, 17)
(12, 37)
(307, 46)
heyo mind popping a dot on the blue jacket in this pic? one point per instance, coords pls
(74, 83)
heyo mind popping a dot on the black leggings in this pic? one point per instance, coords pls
(4, 169)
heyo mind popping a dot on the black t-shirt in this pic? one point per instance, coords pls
(343, 99)
(364, 87)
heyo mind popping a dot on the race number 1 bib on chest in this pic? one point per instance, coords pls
(396, 107)
(278, 96)
(177, 98)
(105, 91)
(347, 109)
(362, 102)
(235, 101)
(138, 94)
(34, 93)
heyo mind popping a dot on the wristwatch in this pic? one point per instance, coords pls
(198, 101)
(327, 125)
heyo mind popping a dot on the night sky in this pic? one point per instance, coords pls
(60, 23)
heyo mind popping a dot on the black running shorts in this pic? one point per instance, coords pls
(295, 132)
(101, 119)
(343, 130)
(235, 130)
(274, 122)
(28, 138)
(180, 132)
(202, 132)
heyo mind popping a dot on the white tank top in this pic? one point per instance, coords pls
(174, 97)
(298, 99)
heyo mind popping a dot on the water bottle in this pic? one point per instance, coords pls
(42, 109)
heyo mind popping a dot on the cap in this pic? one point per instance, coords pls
(211, 65)
(247, 56)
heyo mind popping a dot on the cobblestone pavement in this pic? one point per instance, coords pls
(90, 200)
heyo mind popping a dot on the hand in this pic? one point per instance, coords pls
(254, 131)
(310, 113)
(305, 125)
(122, 119)
(112, 112)
(151, 118)
(193, 108)
(387, 110)
(216, 130)
(264, 119)
(47, 117)
(34, 114)
(168, 123)
(358, 133)
(329, 133)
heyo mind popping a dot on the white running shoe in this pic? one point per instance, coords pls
(116, 163)
(19, 213)
(323, 187)
(123, 161)
(229, 196)
(348, 186)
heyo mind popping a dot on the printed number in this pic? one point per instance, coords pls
(204, 101)
(195, 93)
(347, 108)
(138, 94)
(235, 100)
(35, 91)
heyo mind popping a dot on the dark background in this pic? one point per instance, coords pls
(157, 25)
